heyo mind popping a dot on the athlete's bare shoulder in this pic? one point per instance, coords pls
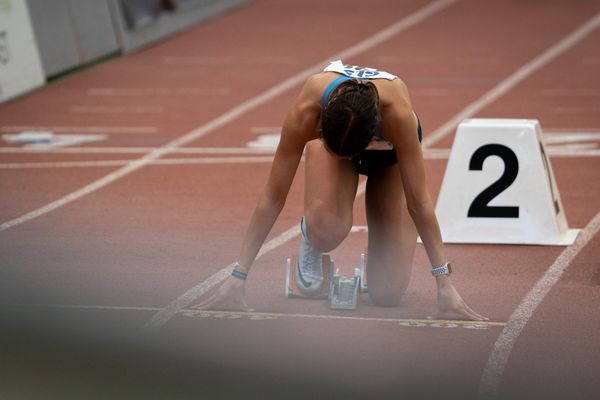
(393, 93)
(309, 99)
(316, 84)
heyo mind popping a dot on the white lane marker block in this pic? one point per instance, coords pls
(499, 187)
(266, 142)
(47, 139)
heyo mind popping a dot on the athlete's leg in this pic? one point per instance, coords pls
(330, 189)
(392, 237)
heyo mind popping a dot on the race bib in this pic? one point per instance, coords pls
(354, 71)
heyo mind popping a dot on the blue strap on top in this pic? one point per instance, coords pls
(334, 83)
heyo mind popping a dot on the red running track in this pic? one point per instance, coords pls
(106, 247)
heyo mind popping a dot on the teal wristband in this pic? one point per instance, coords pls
(239, 274)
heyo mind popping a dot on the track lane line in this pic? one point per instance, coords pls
(491, 378)
(237, 111)
(564, 151)
(117, 163)
(514, 79)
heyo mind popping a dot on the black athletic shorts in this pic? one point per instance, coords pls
(369, 161)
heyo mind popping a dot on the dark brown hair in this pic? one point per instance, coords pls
(349, 117)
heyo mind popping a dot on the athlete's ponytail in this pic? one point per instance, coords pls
(349, 117)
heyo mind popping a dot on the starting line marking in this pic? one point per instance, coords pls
(261, 316)
(408, 322)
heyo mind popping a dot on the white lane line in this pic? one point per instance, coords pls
(233, 113)
(554, 137)
(134, 150)
(494, 369)
(79, 129)
(571, 150)
(117, 163)
(512, 80)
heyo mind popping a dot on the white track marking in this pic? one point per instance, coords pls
(135, 150)
(494, 369)
(571, 150)
(570, 137)
(512, 80)
(50, 140)
(233, 113)
(118, 163)
(80, 129)
(158, 92)
(404, 321)
(194, 313)
(264, 130)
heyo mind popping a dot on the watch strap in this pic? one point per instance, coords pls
(445, 269)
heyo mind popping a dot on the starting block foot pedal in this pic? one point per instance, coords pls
(291, 289)
(363, 272)
(343, 294)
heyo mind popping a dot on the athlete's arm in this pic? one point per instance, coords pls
(298, 128)
(399, 125)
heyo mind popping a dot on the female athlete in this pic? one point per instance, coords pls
(348, 121)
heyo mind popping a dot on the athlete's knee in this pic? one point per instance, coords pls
(385, 289)
(326, 230)
(386, 297)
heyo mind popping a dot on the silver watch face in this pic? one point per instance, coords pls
(445, 269)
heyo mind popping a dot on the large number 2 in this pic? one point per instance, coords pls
(479, 207)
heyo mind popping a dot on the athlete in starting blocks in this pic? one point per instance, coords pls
(351, 121)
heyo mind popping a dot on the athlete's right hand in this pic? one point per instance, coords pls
(231, 296)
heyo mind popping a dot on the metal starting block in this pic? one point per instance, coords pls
(291, 290)
(363, 272)
(343, 294)
(341, 291)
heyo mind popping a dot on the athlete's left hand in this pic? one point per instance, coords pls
(231, 296)
(451, 305)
